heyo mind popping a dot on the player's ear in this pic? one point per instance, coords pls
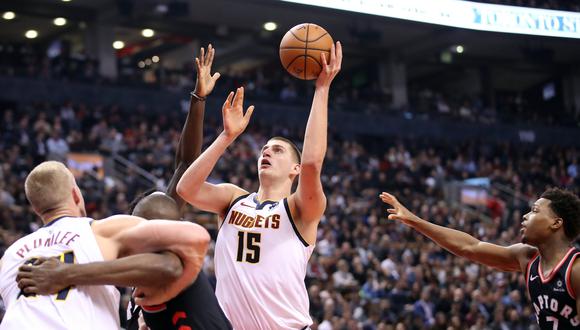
(76, 194)
(296, 169)
(558, 223)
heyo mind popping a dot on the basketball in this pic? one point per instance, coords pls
(300, 50)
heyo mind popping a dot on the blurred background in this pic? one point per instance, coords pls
(438, 102)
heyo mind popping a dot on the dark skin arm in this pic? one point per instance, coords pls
(191, 140)
(48, 276)
(513, 258)
(146, 270)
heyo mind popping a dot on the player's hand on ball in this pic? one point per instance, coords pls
(330, 67)
(398, 212)
(45, 276)
(205, 80)
(234, 118)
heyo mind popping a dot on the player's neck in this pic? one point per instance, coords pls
(60, 212)
(553, 250)
(273, 192)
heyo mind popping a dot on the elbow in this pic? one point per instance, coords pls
(180, 189)
(199, 240)
(172, 268)
(203, 240)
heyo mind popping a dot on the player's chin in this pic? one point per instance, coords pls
(528, 240)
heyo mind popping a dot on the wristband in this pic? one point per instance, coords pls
(197, 97)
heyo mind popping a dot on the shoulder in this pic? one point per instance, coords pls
(237, 194)
(114, 224)
(235, 190)
(573, 276)
(524, 254)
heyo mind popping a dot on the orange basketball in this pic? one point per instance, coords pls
(300, 50)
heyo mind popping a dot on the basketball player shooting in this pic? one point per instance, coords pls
(195, 307)
(546, 256)
(69, 235)
(266, 237)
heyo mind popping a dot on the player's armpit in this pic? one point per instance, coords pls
(512, 258)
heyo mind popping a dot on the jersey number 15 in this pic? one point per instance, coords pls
(249, 247)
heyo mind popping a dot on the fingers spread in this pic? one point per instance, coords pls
(197, 64)
(338, 54)
(332, 54)
(25, 282)
(239, 97)
(323, 59)
(25, 268)
(30, 290)
(249, 113)
(211, 53)
(228, 101)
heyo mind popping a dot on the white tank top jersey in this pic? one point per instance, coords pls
(260, 265)
(82, 307)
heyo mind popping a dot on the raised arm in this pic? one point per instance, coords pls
(191, 139)
(512, 258)
(48, 276)
(192, 186)
(308, 202)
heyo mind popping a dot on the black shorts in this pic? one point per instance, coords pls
(196, 307)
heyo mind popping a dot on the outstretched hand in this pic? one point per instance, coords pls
(330, 68)
(205, 80)
(398, 211)
(234, 119)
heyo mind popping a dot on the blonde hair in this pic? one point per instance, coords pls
(48, 186)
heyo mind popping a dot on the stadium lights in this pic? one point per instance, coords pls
(141, 64)
(270, 26)
(459, 49)
(147, 33)
(31, 34)
(59, 21)
(118, 44)
(8, 15)
(155, 59)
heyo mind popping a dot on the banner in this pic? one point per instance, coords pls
(79, 163)
(465, 14)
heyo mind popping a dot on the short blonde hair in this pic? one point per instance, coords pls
(48, 186)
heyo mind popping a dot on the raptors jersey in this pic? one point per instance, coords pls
(553, 298)
(84, 307)
(260, 265)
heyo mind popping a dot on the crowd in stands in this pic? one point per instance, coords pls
(357, 90)
(366, 272)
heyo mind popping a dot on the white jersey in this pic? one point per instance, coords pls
(80, 307)
(260, 266)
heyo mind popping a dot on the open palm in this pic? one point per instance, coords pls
(235, 121)
(205, 80)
